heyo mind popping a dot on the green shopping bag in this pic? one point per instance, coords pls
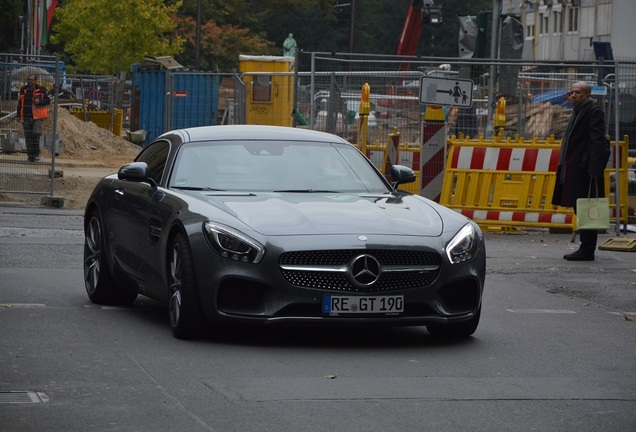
(592, 213)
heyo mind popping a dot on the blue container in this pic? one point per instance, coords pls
(167, 100)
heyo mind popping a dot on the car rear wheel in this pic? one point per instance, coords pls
(99, 283)
(460, 330)
(186, 316)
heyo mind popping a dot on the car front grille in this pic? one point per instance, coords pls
(332, 269)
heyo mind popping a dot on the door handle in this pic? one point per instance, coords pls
(119, 193)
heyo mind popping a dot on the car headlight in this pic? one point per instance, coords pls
(233, 244)
(461, 247)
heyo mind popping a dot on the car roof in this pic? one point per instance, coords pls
(251, 132)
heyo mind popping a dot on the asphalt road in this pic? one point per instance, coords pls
(555, 351)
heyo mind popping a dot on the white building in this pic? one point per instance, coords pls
(570, 30)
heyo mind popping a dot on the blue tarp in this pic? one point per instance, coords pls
(555, 97)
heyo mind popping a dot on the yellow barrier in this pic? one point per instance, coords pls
(407, 155)
(509, 183)
(501, 183)
(102, 118)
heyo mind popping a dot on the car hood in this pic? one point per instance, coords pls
(327, 213)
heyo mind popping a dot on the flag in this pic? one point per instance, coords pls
(50, 10)
(35, 19)
(44, 38)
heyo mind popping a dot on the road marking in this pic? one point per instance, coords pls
(541, 311)
(22, 305)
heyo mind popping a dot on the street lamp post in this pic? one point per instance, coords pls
(197, 43)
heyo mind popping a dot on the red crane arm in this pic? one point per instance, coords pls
(412, 30)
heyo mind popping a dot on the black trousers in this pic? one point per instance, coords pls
(32, 131)
(589, 238)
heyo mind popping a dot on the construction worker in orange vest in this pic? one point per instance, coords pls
(32, 111)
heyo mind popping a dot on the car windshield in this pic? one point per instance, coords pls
(273, 166)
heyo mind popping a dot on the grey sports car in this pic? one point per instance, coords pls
(278, 225)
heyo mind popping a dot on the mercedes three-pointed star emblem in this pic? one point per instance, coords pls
(365, 270)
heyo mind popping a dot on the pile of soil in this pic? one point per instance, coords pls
(88, 142)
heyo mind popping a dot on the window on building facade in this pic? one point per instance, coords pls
(545, 23)
(573, 19)
(558, 25)
(530, 31)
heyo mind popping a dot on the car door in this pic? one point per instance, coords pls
(130, 220)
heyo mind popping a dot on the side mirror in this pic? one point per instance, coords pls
(401, 174)
(136, 172)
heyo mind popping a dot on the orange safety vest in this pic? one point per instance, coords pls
(40, 112)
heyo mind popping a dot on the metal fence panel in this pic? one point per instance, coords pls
(329, 90)
(17, 174)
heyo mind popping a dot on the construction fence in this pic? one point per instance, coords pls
(527, 110)
(104, 100)
(322, 91)
(18, 174)
(536, 106)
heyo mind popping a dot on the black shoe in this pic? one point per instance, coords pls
(30, 159)
(579, 255)
(36, 159)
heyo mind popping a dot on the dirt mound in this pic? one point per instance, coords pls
(89, 142)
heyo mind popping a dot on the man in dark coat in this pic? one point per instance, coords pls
(584, 155)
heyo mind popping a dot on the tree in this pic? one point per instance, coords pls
(258, 27)
(106, 36)
(221, 44)
(10, 25)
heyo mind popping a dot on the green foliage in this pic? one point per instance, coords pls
(256, 27)
(10, 30)
(379, 24)
(314, 24)
(104, 36)
(221, 45)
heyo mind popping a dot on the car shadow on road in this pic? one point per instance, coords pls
(328, 336)
(302, 336)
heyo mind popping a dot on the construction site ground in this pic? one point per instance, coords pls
(89, 152)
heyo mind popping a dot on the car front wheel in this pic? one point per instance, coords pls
(186, 316)
(99, 283)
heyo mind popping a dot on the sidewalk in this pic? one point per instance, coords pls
(74, 167)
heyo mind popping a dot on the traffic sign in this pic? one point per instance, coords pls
(445, 91)
(598, 90)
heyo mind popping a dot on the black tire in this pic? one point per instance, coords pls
(98, 281)
(186, 315)
(460, 330)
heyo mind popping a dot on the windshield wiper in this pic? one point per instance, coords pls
(305, 191)
(196, 188)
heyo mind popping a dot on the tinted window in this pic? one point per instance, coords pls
(155, 155)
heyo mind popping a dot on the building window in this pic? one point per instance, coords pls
(573, 19)
(558, 25)
(543, 23)
(530, 31)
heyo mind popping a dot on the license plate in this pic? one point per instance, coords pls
(340, 305)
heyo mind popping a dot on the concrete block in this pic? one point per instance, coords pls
(52, 201)
(58, 173)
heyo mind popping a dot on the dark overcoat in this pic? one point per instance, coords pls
(585, 155)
